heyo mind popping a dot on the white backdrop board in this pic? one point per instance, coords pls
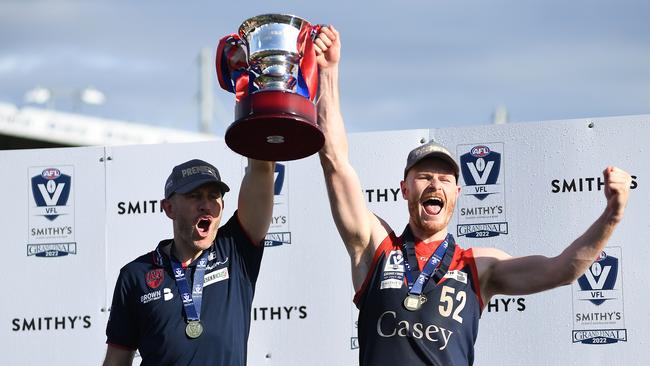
(526, 188)
(54, 227)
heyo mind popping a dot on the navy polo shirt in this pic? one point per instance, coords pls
(147, 311)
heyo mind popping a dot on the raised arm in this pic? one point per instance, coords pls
(255, 206)
(360, 230)
(502, 274)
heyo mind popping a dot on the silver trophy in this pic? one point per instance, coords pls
(272, 48)
(275, 116)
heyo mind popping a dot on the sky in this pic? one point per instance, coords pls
(405, 64)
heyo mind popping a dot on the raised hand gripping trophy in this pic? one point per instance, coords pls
(270, 66)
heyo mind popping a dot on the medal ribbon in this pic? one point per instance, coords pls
(191, 301)
(435, 260)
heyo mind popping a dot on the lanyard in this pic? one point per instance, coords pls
(191, 301)
(416, 287)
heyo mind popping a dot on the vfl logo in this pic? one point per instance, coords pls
(155, 278)
(393, 274)
(51, 190)
(600, 277)
(480, 167)
(395, 260)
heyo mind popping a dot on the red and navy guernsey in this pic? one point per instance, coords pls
(442, 332)
(147, 311)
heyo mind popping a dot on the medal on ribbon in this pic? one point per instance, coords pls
(194, 329)
(415, 299)
(414, 302)
(191, 300)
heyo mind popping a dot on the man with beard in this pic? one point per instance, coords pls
(420, 295)
(188, 302)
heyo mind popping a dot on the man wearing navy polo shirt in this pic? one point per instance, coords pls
(188, 302)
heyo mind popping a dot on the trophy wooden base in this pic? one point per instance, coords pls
(275, 126)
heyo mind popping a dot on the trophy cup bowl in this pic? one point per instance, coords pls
(273, 121)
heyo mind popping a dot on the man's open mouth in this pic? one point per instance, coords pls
(203, 226)
(433, 205)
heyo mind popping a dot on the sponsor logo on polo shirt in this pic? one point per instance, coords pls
(216, 264)
(459, 276)
(215, 276)
(151, 296)
(168, 294)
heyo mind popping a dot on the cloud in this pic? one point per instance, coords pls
(74, 58)
(19, 64)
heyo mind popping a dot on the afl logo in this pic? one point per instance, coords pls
(601, 257)
(51, 173)
(480, 151)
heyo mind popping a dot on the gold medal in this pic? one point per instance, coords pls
(193, 329)
(414, 302)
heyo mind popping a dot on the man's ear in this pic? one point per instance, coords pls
(168, 206)
(403, 188)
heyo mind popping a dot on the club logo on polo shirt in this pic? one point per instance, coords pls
(155, 278)
(51, 212)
